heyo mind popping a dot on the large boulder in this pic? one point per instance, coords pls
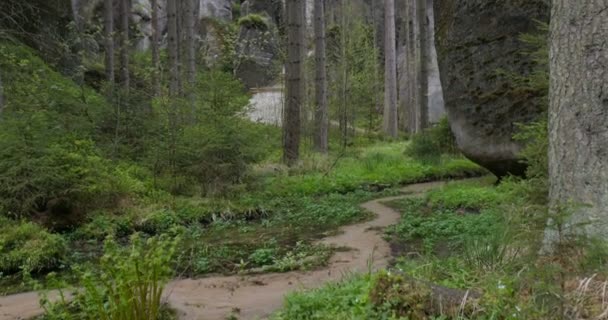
(478, 46)
(258, 45)
(258, 53)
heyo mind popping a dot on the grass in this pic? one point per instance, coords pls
(271, 223)
(345, 300)
(472, 236)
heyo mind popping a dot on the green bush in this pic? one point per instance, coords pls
(127, 286)
(254, 21)
(535, 134)
(27, 246)
(47, 156)
(214, 147)
(341, 301)
(434, 142)
(102, 224)
(53, 175)
(401, 296)
(535, 153)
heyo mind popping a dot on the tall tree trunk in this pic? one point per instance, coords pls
(402, 85)
(125, 13)
(578, 113)
(295, 82)
(173, 48)
(189, 45)
(1, 97)
(423, 76)
(109, 41)
(390, 71)
(412, 48)
(436, 103)
(155, 48)
(321, 107)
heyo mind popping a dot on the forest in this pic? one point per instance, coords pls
(303, 159)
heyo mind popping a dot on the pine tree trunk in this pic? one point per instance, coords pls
(436, 103)
(412, 48)
(155, 48)
(321, 109)
(109, 41)
(295, 83)
(173, 48)
(125, 12)
(390, 71)
(423, 76)
(578, 113)
(78, 43)
(189, 45)
(1, 97)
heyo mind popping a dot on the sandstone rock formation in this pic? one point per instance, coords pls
(258, 45)
(478, 46)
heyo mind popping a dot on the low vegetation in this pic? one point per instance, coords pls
(477, 238)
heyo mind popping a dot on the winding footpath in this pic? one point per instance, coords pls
(258, 296)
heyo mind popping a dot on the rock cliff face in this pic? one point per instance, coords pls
(477, 43)
(258, 45)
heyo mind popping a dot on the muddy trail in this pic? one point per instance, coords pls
(258, 296)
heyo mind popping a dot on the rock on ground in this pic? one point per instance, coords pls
(477, 43)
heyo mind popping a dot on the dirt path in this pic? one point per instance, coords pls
(257, 296)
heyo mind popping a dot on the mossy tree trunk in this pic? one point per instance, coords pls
(578, 115)
(295, 83)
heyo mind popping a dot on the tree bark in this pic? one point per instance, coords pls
(578, 115)
(390, 71)
(125, 12)
(423, 76)
(295, 83)
(173, 48)
(1, 97)
(109, 40)
(436, 103)
(189, 45)
(412, 47)
(155, 48)
(321, 110)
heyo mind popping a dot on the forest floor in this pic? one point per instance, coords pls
(362, 249)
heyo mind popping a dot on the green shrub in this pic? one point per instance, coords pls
(263, 256)
(535, 153)
(103, 224)
(254, 21)
(27, 246)
(444, 229)
(53, 175)
(47, 156)
(471, 196)
(213, 149)
(534, 135)
(434, 142)
(127, 286)
(401, 296)
(341, 301)
(158, 222)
